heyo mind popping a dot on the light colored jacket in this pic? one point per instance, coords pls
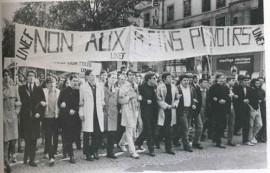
(128, 98)
(161, 94)
(87, 107)
(111, 111)
(46, 93)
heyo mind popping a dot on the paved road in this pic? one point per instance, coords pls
(210, 158)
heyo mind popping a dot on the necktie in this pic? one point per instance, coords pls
(30, 89)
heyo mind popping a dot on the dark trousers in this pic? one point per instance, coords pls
(183, 123)
(95, 141)
(148, 132)
(242, 117)
(51, 136)
(120, 129)
(69, 136)
(165, 130)
(219, 125)
(78, 135)
(110, 141)
(30, 149)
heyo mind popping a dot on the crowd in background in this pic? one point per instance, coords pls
(126, 109)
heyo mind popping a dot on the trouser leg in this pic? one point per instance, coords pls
(167, 135)
(198, 129)
(111, 141)
(231, 123)
(86, 146)
(129, 137)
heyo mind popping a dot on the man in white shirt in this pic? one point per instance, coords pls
(187, 104)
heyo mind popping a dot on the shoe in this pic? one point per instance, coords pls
(51, 162)
(249, 143)
(33, 164)
(220, 145)
(122, 147)
(188, 149)
(231, 144)
(25, 161)
(96, 156)
(177, 144)
(14, 159)
(157, 145)
(254, 141)
(46, 156)
(203, 137)
(140, 149)
(112, 156)
(135, 155)
(89, 158)
(56, 153)
(20, 150)
(170, 152)
(64, 156)
(72, 159)
(153, 154)
(199, 146)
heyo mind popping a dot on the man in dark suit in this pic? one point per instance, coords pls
(201, 111)
(219, 98)
(68, 103)
(246, 98)
(187, 104)
(32, 98)
(148, 111)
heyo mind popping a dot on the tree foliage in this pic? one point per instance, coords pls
(87, 15)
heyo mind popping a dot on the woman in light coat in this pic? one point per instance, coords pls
(11, 107)
(129, 99)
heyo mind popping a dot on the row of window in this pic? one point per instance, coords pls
(206, 6)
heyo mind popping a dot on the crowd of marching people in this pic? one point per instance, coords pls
(127, 110)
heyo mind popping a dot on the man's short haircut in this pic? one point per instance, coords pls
(183, 76)
(130, 71)
(6, 71)
(233, 70)
(87, 72)
(218, 75)
(103, 71)
(229, 78)
(31, 71)
(72, 76)
(195, 76)
(203, 79)
(112, 73)
(165, 75)
(149, 75)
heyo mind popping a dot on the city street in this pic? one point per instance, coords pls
(210, 158)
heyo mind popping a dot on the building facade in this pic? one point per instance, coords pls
(174, 14)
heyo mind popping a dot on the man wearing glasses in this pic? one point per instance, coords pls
(148, 111)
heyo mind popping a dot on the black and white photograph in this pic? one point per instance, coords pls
(134, 86)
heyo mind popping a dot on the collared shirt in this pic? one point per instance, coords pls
(186, 96)
(245, 91)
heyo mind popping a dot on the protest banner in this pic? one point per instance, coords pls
(34, 45)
